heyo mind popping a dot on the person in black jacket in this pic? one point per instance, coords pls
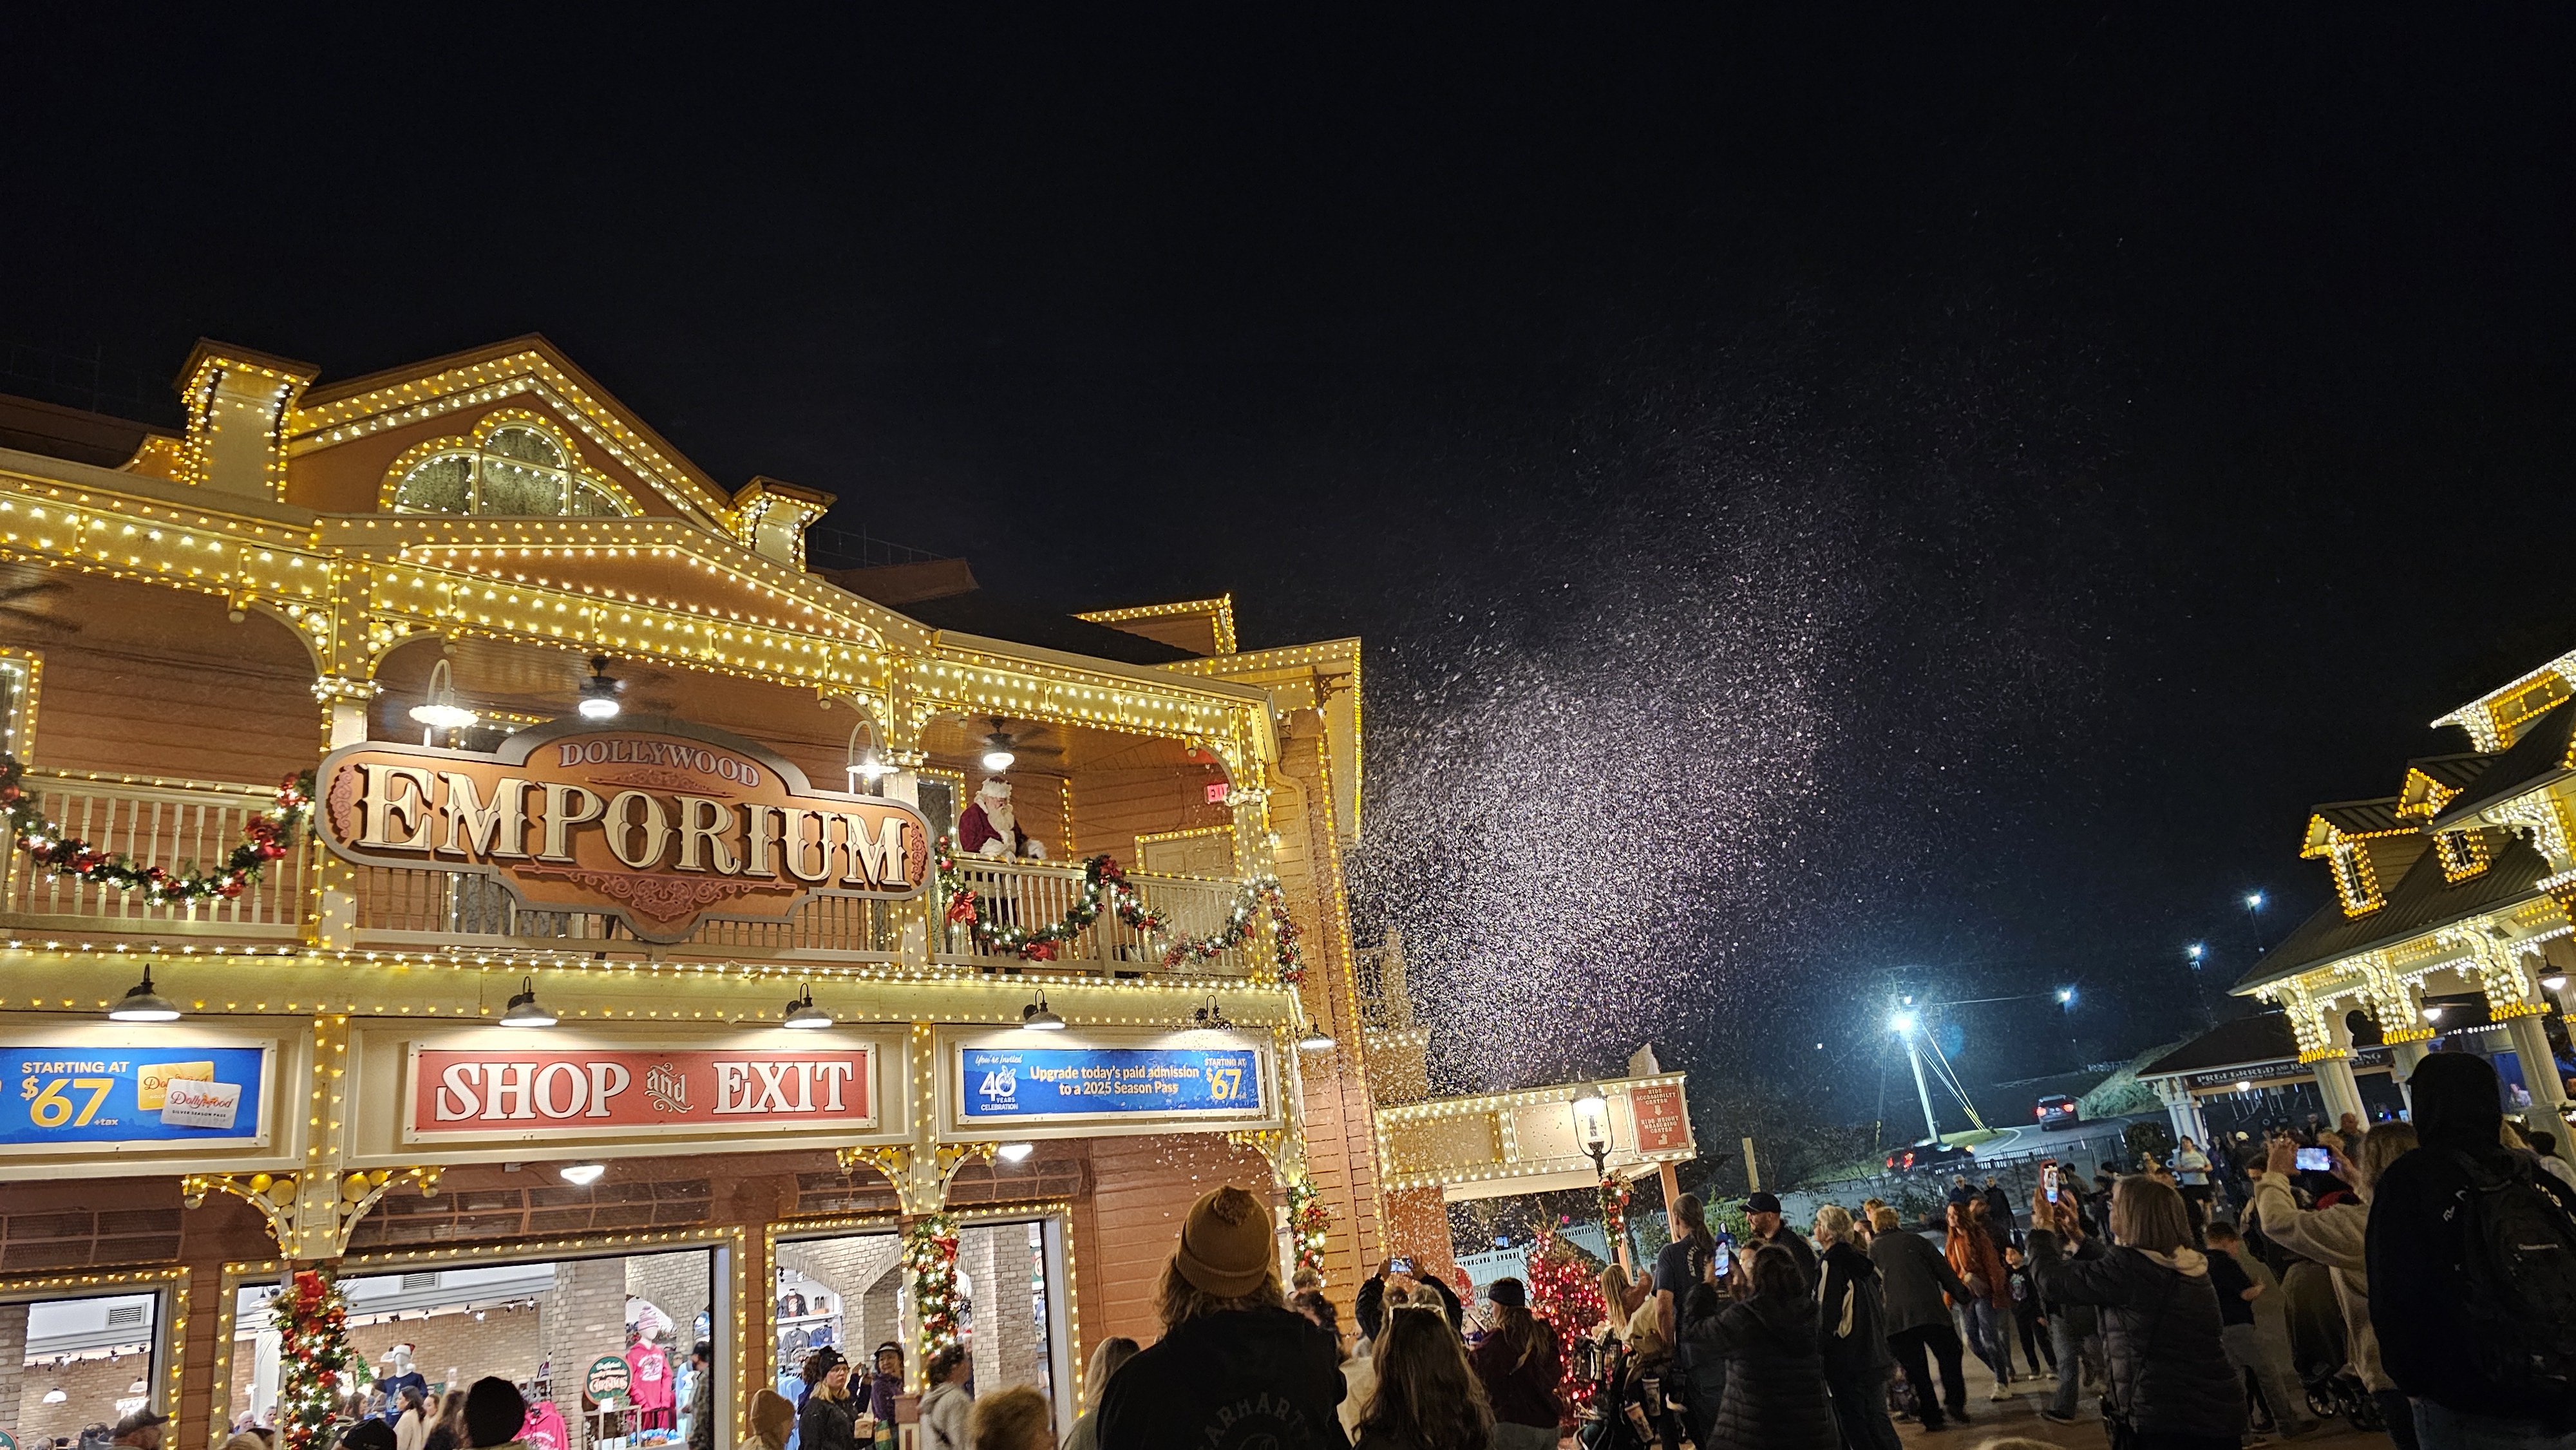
(2170, 1378)
(2421, 1216)
(1914, 1276)
(1235, 1368)
(1775, 1380)
(1851, 1334)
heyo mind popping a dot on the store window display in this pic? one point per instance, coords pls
(85, 1365)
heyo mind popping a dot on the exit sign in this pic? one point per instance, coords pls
(1216, 793)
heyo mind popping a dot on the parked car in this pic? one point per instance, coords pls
(2060, 1111)
(1924, 1157)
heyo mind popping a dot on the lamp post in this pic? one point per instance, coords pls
(1592, 1128)
(1903, 1023)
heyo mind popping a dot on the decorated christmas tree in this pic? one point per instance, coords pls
(314, 1357)
(1564, 1292)
(930, 1259)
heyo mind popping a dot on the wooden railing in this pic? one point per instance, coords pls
(1039, 893)
(396, 907)
(174, 824)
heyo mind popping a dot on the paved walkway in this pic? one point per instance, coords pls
(2019, 1416)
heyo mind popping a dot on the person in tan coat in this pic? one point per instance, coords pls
(2337, 1237)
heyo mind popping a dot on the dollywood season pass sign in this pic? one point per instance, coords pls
(658, 823)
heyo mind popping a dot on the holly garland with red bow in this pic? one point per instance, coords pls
(1308, 1223)
(314, 1358)
(266, 838)
(1105, 888)
(930, 1257)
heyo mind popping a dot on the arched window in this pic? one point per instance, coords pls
(518, 470)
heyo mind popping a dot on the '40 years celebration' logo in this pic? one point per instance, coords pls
(1000, 1088)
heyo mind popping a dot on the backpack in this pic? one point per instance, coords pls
(2518, 1277)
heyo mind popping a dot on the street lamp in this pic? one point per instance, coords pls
(2066, 997)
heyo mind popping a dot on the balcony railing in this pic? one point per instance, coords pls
(396, 907)
(174, 824)
(1039, 893)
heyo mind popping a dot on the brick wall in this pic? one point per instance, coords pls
(863, 1270)
(94, 1387)
(13, 1357)
(1009, 1346)
(584, 1318)
(1143, 1188)
(681, 1286)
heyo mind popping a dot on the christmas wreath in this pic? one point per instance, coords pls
(1105, 888)
(266, 838)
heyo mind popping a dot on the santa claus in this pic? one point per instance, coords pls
(989, 827)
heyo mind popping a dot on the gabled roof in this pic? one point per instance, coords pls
(944, 594)
(2356, 818)
(2425, 899)
(2435, 780)
(2536, 759)
(415, 391)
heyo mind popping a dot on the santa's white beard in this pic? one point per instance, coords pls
(999, 815)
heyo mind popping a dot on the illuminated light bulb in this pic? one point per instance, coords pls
(1591, 1103)
(802, 1014)
(1901, 1023)
(599, 692)
(582, 1175)
(1038, 1017)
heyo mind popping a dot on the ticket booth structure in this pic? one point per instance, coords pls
(1534, 1140)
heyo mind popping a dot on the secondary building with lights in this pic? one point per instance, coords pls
(462, 847)
(2449, 928)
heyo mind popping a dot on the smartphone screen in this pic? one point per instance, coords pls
(1400, 1266)
(2315, 1160)
(2048, 1181)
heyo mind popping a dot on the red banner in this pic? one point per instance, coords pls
(1662, 1125)
(620, 1092)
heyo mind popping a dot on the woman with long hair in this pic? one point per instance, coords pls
(413, 1427)
(1427, 1398)
(1979, 1264)
(829, 1419)
(1113, 1352)
(447, 1432)
(1519, 1365)
(2161, 1327)
(1775, 1396)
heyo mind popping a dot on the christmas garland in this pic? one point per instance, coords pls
(930, 1257)
(1308, 1222)
(1105, 888)
(314, 1356)
(1614, 1211)
(265, 839)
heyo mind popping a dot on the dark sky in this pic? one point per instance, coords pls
(1934, 492)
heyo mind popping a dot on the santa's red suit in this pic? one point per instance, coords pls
(991, 821)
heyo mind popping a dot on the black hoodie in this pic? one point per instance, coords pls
(2418, 1243)
(1229, 1381)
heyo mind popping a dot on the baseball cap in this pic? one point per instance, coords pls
(1761, 1203)
(140, 1420)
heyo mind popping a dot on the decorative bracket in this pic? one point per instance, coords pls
(305, 1224)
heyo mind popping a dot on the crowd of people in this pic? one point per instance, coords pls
(2423, 1279)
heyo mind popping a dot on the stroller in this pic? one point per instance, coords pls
(1623, 1414)
(2338, 1392)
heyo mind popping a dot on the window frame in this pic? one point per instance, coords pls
(476, 449)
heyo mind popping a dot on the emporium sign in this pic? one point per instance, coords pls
(459, 1093)
(658, 825)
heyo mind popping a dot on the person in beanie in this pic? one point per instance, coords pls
(1235, 1368)
(772, 1419)
(494, 1411)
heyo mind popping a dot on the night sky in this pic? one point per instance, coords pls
(1929, 497)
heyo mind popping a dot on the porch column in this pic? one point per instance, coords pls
(2539, 1065)
(2509, 980)
(2182, 1110)
(2333, 1068)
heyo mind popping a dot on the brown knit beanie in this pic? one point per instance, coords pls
(1226, 1247)
(773, 1419)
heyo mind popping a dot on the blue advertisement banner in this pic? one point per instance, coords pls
(1020, 1083)
(130, 1095)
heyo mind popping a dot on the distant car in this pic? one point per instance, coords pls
(1924, 1157)
(2059, 1112)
